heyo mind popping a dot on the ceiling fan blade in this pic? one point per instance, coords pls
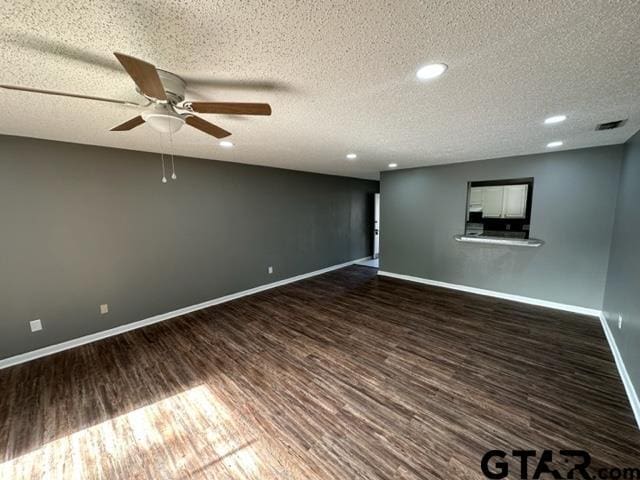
(72, 95)
(144, 75)
(230, 108)
(206, 127)
(129, 124)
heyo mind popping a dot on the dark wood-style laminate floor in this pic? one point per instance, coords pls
(342, 376)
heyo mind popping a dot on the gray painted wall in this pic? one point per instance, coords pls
(622, 295)
(85, 225)
(574, 199)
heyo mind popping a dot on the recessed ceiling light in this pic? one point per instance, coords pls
(226, 144)
(393, 165)
(352, 156)
(430, 71)
(555, 119)
(555, 144)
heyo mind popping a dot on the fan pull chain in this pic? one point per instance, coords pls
(164, 178)
(173, 167)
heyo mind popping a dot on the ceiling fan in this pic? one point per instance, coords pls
(166, 109)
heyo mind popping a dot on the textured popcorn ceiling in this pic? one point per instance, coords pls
(340, 76)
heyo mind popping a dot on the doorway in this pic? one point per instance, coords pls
(374, 262)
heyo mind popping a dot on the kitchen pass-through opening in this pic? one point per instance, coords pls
(499, 208)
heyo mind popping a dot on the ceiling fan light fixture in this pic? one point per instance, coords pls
(226, 144)
(163, 122)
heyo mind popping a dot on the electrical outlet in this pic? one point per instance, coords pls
(104, 308)
(270, 270)
(36, 325)
(619, 321)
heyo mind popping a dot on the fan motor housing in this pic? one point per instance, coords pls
(173, 85)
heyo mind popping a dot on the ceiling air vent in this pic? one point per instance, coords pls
(611, 125)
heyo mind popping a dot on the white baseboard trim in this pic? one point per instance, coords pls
(491, 293)
(76, 342)
(622, 370)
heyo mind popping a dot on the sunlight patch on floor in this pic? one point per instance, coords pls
(172, 438)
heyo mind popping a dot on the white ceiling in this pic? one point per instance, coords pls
(340, 76)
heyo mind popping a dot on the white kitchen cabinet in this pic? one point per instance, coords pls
(502, 201)
(515, 201)
(475, 197)
(492, 200)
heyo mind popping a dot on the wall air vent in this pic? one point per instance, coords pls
(611, 125)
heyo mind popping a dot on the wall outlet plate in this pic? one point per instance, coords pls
(36, 325)
(104, 308)
(270, 270)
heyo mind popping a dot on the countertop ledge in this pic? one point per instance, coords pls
(517, 242)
